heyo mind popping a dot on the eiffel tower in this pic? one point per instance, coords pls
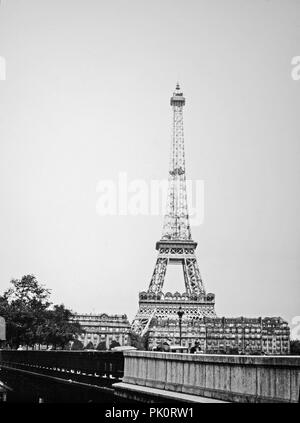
(175, 246)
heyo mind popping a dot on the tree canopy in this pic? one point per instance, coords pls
(114, 344)
(295, 347)
(30, 317)
(77, 345)
(89, 346)
(101, 346)
(138, 341)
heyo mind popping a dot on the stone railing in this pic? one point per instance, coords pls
(223, 377)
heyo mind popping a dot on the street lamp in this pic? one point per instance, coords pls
(180, 313)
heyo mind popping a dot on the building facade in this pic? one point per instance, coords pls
(103, 328)
(242, 335)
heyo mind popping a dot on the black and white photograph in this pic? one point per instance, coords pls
(150, 207)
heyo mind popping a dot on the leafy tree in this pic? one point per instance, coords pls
(114, 344)
(68, 346)
(138, 341)
(30, 321)
(28, 291)
(145, 341)
(77, 345)
(89, 346)
(295, 347)
(23, 306)
(101, 346)
(58, 330)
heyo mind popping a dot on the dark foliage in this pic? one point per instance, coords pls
(114, 344)
(295, 347)
(101, 346)
(138, 341)
(77, 345)
(89, 346)
(29, 319)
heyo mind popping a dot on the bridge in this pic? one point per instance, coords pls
(60, 376)
(143, 376)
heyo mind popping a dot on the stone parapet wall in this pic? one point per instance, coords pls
(228, 378)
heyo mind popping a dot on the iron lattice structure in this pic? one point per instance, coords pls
(176, 245)
(176, 223)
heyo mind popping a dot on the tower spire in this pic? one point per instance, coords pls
(176, 222)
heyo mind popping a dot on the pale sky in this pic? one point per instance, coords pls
(86, 96)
